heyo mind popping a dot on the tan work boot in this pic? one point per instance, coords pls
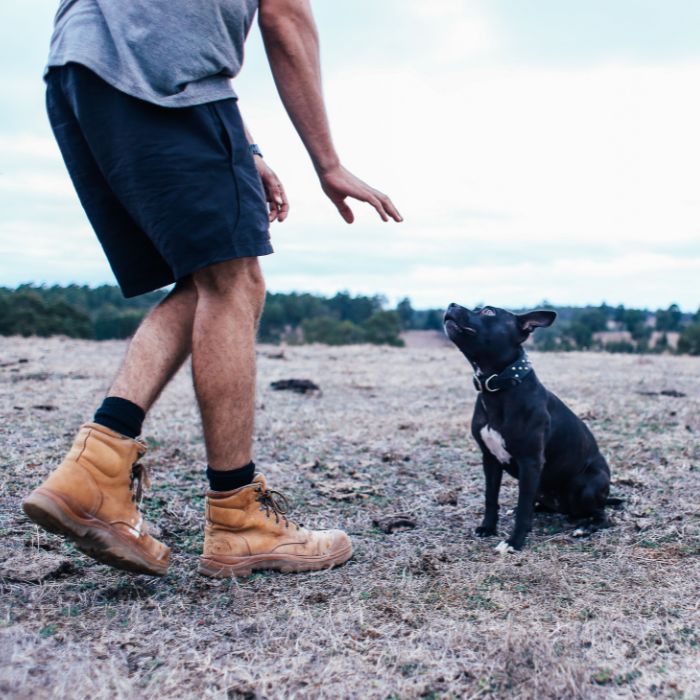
(247, 529)
(90, 498)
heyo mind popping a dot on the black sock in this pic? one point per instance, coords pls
(231, 478)
(120, 415)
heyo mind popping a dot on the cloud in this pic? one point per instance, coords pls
(547, 167)
(450, 31)
(51, 252)
(517, 285)
(21, 145)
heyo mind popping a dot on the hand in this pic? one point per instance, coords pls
(338, 183)
(274, 192)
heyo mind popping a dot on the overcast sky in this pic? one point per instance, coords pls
(539, 150)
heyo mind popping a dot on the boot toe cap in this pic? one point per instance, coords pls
(337, 541)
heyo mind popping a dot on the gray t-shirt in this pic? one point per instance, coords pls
(174, 53)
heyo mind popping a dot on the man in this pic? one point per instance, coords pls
(141, 104)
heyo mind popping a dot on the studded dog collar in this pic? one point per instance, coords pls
(511, 376)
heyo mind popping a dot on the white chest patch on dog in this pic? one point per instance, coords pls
(496, 444)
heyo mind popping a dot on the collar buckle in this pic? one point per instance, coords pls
(482, 386)
(486, 384)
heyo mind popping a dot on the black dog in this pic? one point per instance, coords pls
(525, 429)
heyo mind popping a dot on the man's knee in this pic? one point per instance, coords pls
(233, 280)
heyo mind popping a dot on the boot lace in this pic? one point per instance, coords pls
(274, 503)
(137, 481)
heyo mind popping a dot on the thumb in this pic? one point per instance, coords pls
(345, 211)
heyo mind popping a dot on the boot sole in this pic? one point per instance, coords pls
(226, 567)
(96, 538)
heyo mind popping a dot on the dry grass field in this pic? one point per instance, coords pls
(428, 612)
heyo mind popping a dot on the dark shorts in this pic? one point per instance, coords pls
(167, 190)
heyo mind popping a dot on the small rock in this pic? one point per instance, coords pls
(300, 386)
(447, 498)
(395, 457)
(317, 597)
(394, 523)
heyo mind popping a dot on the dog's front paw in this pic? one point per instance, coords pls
(513, 544)
(504, 548)
(485, 531)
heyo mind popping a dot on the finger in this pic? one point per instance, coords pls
(390, 208)
(277, 194)
(275, 198)
(282, 205)
(376, 203)
(345, 211)
(273, 212)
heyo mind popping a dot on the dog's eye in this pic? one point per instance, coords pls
(487, 312)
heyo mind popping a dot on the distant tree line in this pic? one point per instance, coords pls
(342, 319)
(102, 313)
(621, 329)
(75, 311)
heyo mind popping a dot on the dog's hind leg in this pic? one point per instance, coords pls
(547, 503)
(588, 496)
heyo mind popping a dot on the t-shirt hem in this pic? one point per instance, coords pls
(200, 96)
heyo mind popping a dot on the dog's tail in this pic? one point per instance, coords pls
(614, 501)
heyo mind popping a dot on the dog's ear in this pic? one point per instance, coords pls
(535, 319)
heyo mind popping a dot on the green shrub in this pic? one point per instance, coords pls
(689, 340)
(27, 313)
(330, 331)
(383, 328)
(111, 323)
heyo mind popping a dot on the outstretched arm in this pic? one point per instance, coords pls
(291, 41)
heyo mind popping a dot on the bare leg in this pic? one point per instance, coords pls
(230, 299)
(159, 347)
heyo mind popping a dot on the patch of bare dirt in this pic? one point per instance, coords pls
(424, 609)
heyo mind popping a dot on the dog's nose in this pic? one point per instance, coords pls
(451, 306)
